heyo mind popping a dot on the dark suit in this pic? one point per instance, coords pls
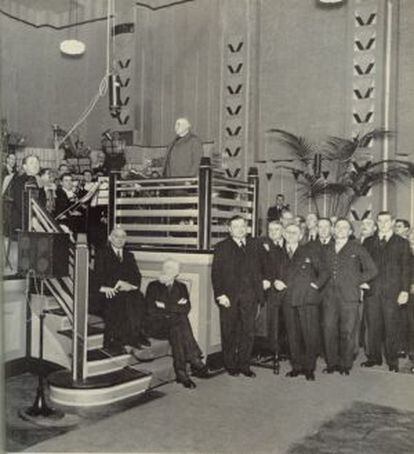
(410, 316)
(270, 257)
(383, 312)
(125, 311)
(236, 274)
(172, 322)
(63, 202)
(20, 183)
(349, 268)
(301, 303)
(274, 213)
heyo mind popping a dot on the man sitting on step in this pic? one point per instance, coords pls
(118, 280)
(168, 304)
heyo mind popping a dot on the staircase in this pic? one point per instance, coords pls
(74, 338)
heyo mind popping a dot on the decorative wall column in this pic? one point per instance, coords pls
(366, 41)
(238, 84)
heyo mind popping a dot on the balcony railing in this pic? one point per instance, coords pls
(187, 213)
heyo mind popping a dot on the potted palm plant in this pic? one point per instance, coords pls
(339, 170)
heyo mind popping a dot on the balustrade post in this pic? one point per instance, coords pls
(30, 191)
(80, 310)
(204, 204)
(112, 201)
(253, 179)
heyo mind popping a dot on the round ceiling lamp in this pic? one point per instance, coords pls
(72, 47)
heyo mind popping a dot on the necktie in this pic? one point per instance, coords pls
(383, 241)
(119, 254)
(242, 246)
(290, 252)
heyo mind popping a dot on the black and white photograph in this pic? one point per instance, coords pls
(207, 226)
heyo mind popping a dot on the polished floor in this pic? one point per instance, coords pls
(236, 414)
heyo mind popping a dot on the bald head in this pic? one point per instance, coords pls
(182, 127)
(118, 237)
(292, 234)
(171, 268)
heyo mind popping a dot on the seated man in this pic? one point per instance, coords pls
(118, 279)
(168, 305)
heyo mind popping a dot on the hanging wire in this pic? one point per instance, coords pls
(103, 85)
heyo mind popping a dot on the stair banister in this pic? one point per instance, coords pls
(80, 310)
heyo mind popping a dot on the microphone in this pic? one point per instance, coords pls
(114, 94)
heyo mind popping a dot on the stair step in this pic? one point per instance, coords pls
(99, 390)
(161, 370)
(92, 330)
(56, 311)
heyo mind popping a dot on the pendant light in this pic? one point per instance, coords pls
(72, 46)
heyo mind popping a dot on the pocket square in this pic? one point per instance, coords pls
(160, 304)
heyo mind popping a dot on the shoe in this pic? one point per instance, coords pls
(142, 354)
(114, 349)
(233, 372)
(330, 370)
(344, 371)
(276, 368)
(393, 368)
(371, 363)
(144, 341)
(310, 376)
(200, 372)
(187, 382)
(412, 370)
(293, 373)
(248, 373)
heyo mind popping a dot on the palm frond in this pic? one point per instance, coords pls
(371, 178)
(344, 149)
(375, 134)
(302, 149)
(339, 148)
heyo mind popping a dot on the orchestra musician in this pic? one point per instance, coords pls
(66, 197)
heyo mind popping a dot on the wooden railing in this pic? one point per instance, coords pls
(189, 213)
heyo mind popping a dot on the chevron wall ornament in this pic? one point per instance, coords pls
(365, 78)
(233, 118)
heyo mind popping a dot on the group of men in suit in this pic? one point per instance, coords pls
(316, 281)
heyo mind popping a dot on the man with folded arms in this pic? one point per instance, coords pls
(351, 269)
(168, 305)
(238, 291)
(301, 276)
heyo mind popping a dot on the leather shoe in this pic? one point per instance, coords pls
(248, 373)
(370, 363)
(310, 376)
(233, 372)
(293, 373)
(330, 370)
(344, 371)
(393, 368)
(143, 340)
(200, 372)
(276, 368)
(186, 382)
